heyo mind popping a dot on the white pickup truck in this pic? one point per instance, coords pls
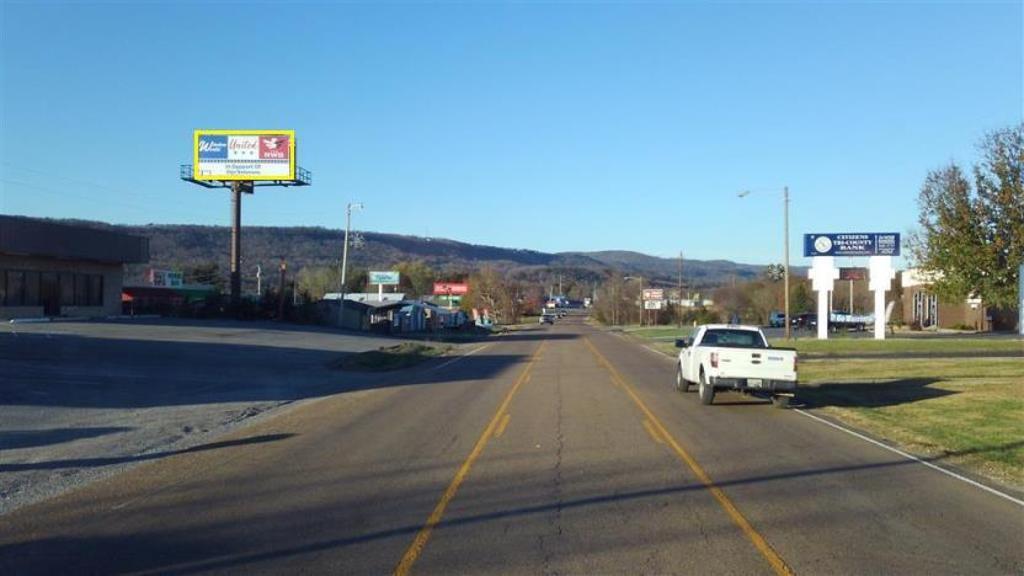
(729, 357)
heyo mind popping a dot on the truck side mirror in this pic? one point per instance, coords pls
(682, 342)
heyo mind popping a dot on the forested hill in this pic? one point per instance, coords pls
(185, 246)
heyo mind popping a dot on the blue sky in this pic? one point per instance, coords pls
(554, 127)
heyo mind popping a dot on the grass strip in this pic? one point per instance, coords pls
(388, 358)
(965, 411)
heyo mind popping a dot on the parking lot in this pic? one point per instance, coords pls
(82, 400)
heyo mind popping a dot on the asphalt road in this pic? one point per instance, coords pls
(561, 450)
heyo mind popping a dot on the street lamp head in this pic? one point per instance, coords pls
(744, 194)
(355, 206)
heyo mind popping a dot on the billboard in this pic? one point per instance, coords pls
(389, 278)
(243, 155)
(855, 244)
(166, 278)
(443, 288)
(654, 294)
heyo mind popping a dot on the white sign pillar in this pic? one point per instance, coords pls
(823, 274)
(882, 274)
(1020, 296)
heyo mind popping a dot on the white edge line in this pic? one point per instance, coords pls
(660, 354)
(912, 457)
(889, 448)
(457, 358)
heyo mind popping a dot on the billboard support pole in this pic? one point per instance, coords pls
(214, 166)
(236, 242)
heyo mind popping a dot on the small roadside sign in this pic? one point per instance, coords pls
(654, 294)
(388, 278)
(450, 288)
(853, 273)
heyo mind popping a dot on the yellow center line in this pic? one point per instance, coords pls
(418, 543)
(777, 563)
(503, 425)
(654, 433)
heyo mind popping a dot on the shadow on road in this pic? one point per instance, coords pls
(92, 462)
(197, 549)
(86, 372)
(871, 394)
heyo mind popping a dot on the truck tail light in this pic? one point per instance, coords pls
(714, 359)
(794, 364)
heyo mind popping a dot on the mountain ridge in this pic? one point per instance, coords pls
(181, 245)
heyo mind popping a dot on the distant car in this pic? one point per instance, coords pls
(547, 318)
(561, 313)
(777, 320)
(807, 321)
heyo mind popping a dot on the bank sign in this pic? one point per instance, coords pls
(243, 155)
(855, 244)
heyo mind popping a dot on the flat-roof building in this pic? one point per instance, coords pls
(54, 269)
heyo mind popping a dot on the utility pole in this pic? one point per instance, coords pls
(281, 287)
(641, 301)
(344, 250)
(615, 305)
(259, 284)
(679, 308)
(785, 209)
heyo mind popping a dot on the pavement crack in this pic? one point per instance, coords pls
(557, 529)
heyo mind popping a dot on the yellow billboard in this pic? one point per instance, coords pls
(243, 155)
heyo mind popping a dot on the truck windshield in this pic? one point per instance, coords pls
(733, 338)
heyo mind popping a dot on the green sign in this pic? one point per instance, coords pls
(389, 278)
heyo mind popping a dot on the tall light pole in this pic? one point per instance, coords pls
(679, 307)
(641, 279)
(785, 244)
(344, 251)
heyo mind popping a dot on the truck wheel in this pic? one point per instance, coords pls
(681, 384)
(706, 390)
(780, 401)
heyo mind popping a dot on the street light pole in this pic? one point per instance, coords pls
(679, 287)
(344, 250)
(785, 245)
(785, 240)
(641, 301)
